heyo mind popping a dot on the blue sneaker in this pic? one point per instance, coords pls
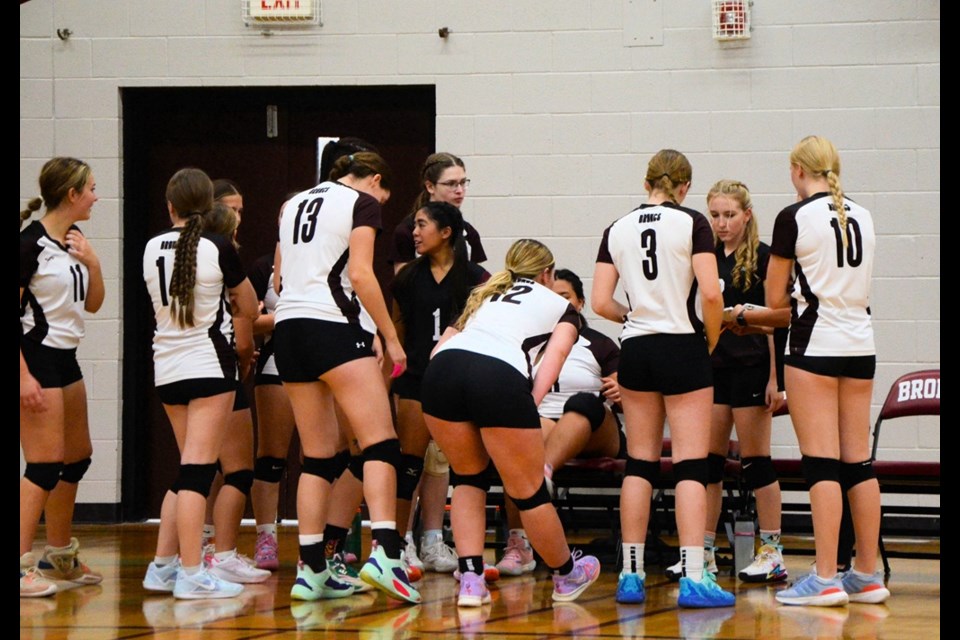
(864, 588)
(630, 589)
(388, 575)
(705, 594)
(314, 586)
(812, 590)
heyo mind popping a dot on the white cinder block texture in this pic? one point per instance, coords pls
(908, 128)
(515, 52)
(74, 137)
(192, 57)
(152, 18)
(36, 137)
(36, 99)
(475, 94)
(551, 93)
(928, 80)
(130, 57)
(93, 18)
(36, 58)
(913, 41)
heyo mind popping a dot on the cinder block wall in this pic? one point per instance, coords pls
(556, 119)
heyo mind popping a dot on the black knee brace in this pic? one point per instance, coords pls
(542, 496)
(588, 405)
(73, 472)
(325, 468)
(646, 469)
(715, 466)
(196, 478)
(267, 469)
(758, 472)
(696, 469)
(240, 480)
(387, 451)
(479, 480)
(820, 470)
(342, 459)
(45, 475)
(408, 476)
(356, 467)
(853, 473)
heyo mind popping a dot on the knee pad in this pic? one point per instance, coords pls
(541, 497)
(758, 472)
(435, 461)
(646, 469)
(267, 469)
(853, 473)
(196, 478)
(408, 476)
(387, 451)
(240, 480)
(325, 468)
(479, 480)
(356, 467)
(715, 466)
(820, 470)
(45, 475)
(74, 471)
(589, 406)
(695, 470)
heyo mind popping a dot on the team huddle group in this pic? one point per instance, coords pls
(497, 370)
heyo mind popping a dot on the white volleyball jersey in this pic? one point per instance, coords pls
(594, 356)
(831, 289)
(204, 350)
(511, 326)
(652, 248)
(54, 287)
(315, 229)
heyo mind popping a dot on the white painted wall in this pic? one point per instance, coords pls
(556, 120)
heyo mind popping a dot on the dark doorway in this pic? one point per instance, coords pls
(224, 131)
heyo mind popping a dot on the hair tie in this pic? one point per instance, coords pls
(513, 276)
(350, 157)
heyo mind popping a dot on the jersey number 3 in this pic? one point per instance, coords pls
(648, 241)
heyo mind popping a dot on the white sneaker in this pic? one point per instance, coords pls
(438, 557)
(675, 572)
(234, 569)
(161, 578)
(768, 566)
(410, 554)
(204, 584)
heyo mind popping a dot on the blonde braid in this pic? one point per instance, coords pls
(499, 283)
(833, 179)
(33, 205)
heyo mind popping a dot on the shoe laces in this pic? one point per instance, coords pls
(767, 552)
(441, 549)
(512, 553)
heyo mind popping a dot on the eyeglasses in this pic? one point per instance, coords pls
(453, 184)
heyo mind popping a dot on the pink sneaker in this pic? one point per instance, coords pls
(586, 570)
(265, 553)
(517, 557)
(473, 591)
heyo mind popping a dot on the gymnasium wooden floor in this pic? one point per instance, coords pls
(521, 607)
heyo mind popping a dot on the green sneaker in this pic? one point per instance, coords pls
(314, 586)
(388, 575)
(347, 574)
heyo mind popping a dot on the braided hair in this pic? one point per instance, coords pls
(190, 193)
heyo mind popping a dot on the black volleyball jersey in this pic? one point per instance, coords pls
(652, 248)
(204, 350)
(54, 287)
(752, 349)
(594, 356)
(427, 308)
(831, 289)
(315, 228)
(512, 325)
(403, 250)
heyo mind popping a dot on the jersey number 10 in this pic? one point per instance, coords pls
(854, 252)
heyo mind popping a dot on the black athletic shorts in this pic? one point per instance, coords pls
(664, 363)
(183, 391)
(462, 386)
(407, 387)
(53, 368)
(860, 367)
(740, 387)
(305, 349)
(240, 399)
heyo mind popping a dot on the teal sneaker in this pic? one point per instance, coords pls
(864, 588)
(812, 590)
(388, 575)
(705, 594)
(347, 574)
(630, 589)
(316, 586)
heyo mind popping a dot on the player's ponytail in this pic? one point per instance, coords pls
(818, 157)
(525, 259)
(667, 171)
(190, 193)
